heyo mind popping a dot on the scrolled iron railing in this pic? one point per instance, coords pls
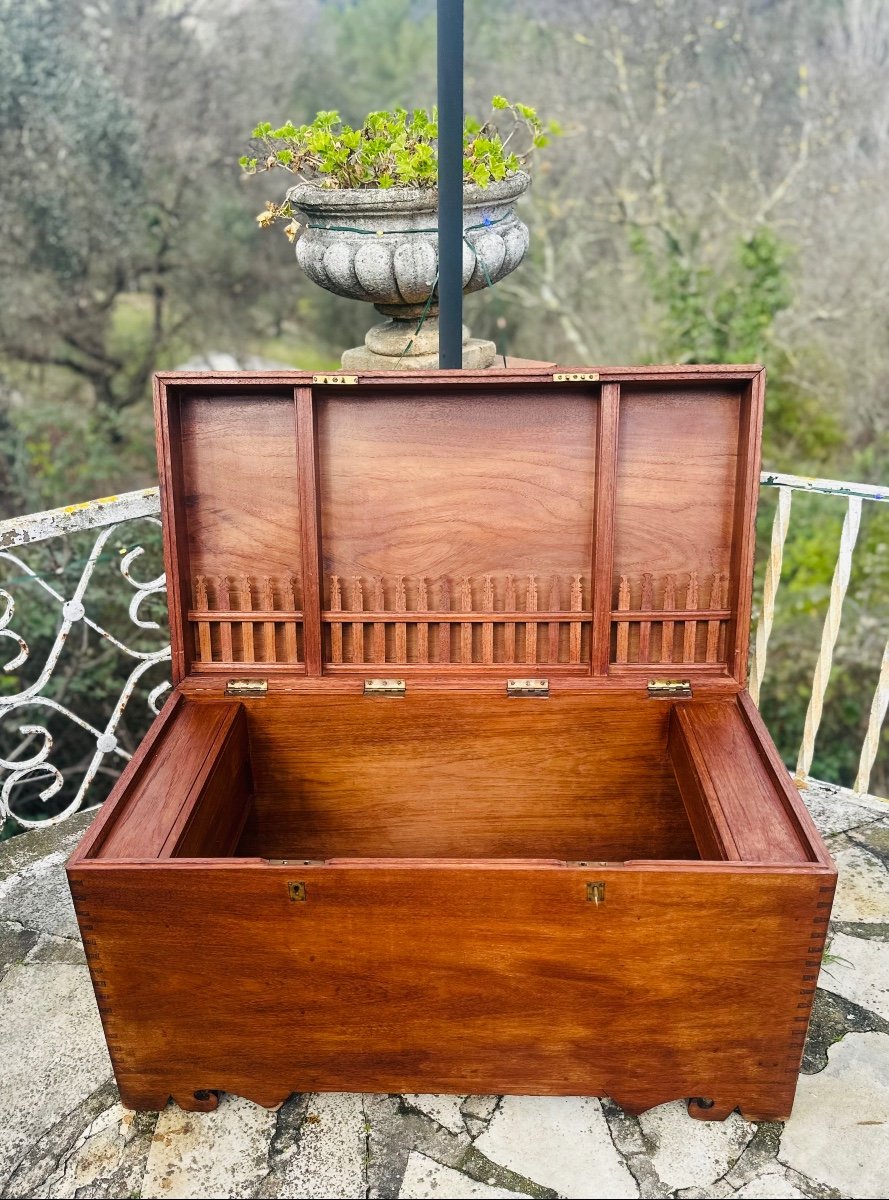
(25, 763)
(111, 513)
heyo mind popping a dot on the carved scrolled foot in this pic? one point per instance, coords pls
(202, 1100)
(143, 1101)
(703, 1108)
(775, 1107)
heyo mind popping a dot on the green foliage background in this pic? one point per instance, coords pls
(716, 197)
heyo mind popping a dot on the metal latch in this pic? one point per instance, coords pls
(384, 687)
(575, 376)
(246, 687)
(666, 689)
(527, 687)
(596, 892)
(334, 379)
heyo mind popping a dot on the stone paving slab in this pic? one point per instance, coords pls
(63, 1132)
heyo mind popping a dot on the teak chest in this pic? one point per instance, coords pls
(459, 788)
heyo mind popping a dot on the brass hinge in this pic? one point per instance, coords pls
(575, 376)
(384, 687)
(334, 379)
(666, 689)
(246, 687)
(527, 687)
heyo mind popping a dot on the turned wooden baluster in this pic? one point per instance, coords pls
(509, 602)
(669, 627)
(400, 626)
(465, 626)
(267, 601)
(378, 602)
(575, 629)
(357, 627)
(488, 626)
(531, 626)
(723, 625)
(289, 598)
(422, 626)
(202, 604)
(223, 604)
(646, 603)
(714, 626)
(555, 627)
(623, 627)
(248, 652)
(336, 627)
(444, 627)
(690, 632)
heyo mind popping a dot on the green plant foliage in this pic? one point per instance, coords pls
(392, 149)
(713, 315)
(727, 314)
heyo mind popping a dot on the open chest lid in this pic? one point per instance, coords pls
(458, 525)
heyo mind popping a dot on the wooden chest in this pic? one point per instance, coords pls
(459, 788)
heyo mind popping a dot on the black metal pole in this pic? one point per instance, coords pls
(450, 183)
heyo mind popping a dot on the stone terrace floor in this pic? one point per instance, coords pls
(64, 1133)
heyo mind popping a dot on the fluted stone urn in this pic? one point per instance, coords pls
(381, 245)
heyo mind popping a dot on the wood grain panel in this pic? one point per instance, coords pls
(241, 492)
(107, 816)
(463, 482)
(178, 765)
(677, 475)
(568, 777)
(712, 833)
(211, 820)
(736, 782)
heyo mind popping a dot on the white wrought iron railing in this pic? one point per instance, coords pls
(25, 763)
(110, 513)
(854, 494)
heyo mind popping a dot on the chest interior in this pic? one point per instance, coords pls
(576, 778)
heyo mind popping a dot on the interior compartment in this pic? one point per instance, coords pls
(415, 522)
(462, 776)
(678, 462)
(571, 778)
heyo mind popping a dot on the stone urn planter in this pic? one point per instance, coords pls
(381, 245)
